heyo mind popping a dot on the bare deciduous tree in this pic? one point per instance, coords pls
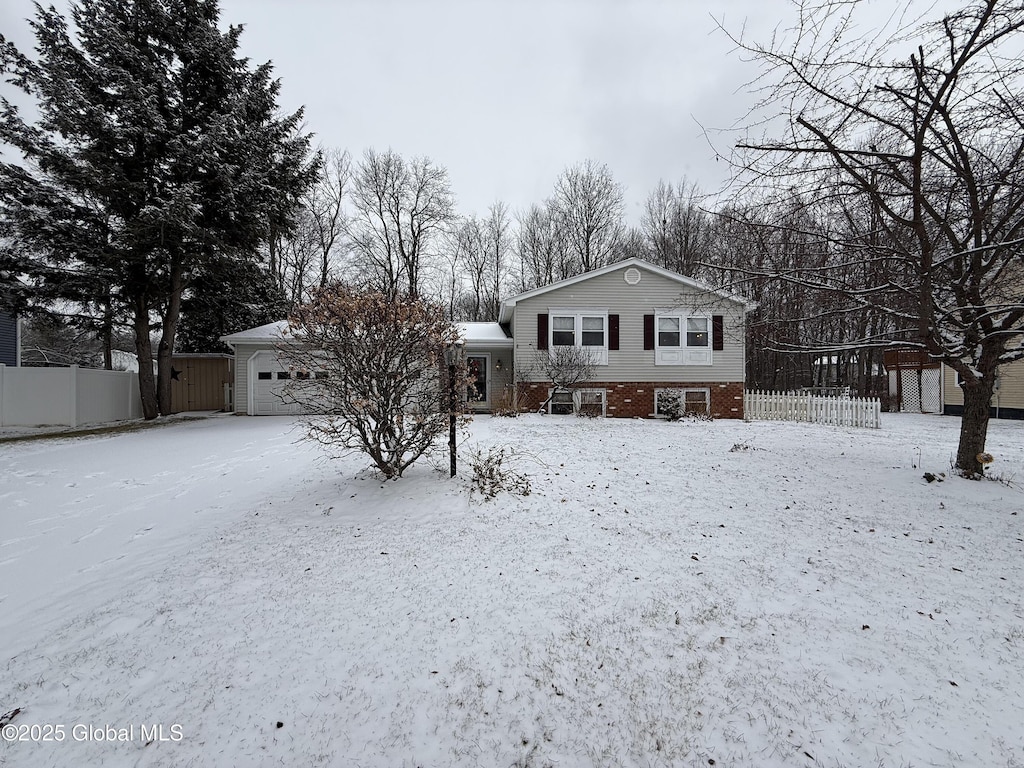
(469, 242)
(926, 124)
(588, 207)
(541, 248)
(325, 204)
(677, 230)
(402, 209)
(497, 237)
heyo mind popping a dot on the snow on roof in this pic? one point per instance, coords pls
(269, 332)
(473, 333)
(484, 333)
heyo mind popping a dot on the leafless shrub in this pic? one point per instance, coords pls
(372, 371)
(493, 473)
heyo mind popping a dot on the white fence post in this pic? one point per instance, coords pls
(73, 395)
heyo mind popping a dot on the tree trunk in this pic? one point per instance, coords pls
(107, 336)
(144, 353)
(166, 348)
(974, 423)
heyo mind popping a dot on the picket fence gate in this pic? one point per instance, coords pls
(791, 406)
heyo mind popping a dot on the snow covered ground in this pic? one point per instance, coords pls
(212, 593)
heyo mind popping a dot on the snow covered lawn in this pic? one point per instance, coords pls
(689, 594)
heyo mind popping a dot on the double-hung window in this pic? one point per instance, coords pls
(563, 331)
(682, 339)
(580, 328)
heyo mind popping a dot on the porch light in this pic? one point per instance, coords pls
(499, 365)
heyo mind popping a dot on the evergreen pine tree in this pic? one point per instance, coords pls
(158, 156)
(227, 297)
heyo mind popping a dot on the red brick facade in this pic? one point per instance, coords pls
(635, 399)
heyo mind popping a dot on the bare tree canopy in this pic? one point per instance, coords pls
(676, 229)
(402, 208)
(588, 206)
(324, 203)
(910, 145)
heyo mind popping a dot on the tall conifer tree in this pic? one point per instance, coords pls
(158, 154)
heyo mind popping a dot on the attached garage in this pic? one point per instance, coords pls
(260, 375)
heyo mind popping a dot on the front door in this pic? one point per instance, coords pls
(477, 391)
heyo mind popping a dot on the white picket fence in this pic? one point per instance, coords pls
(787, 406)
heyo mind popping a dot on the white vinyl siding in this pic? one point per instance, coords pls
(631, 362)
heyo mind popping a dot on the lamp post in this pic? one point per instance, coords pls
(453, 356)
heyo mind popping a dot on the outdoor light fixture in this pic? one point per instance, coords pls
(498, 366)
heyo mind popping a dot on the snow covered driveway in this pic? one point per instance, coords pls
(213, 594)
(83, 513)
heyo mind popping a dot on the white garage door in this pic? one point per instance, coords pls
(268, 379)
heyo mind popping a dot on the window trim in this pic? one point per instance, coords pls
(684, 353)
(600, 353)
(577, 399)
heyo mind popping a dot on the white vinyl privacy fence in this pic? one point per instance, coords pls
(787, 406)
(69, 397)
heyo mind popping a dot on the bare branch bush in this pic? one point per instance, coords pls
(372, 371)
(494, 472)
(566, 367)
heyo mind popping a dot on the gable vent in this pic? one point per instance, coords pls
(632, 276)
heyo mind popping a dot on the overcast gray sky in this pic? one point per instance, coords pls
(506, 93)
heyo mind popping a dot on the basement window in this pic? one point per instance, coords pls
(693, 401)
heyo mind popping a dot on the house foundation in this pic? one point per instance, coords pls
(636, 399)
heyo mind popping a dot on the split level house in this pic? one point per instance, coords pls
(646, 331)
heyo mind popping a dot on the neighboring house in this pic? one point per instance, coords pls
(1007, 400)
(914, 381)
(647, 330)
(10, 339)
